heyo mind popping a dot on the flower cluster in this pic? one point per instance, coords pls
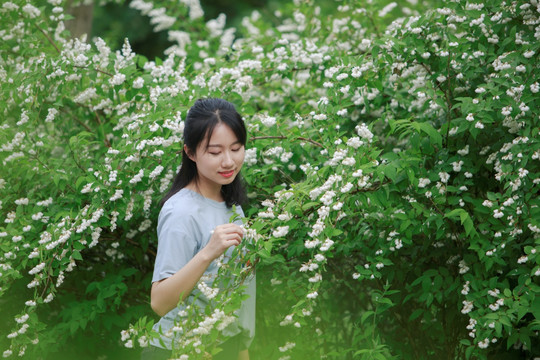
(379, 144)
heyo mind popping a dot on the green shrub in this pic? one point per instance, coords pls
(393, 170)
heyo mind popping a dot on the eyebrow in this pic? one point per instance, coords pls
(220, 146)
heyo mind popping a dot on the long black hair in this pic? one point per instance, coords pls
(200, 122)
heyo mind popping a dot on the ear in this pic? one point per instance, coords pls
(190, 154)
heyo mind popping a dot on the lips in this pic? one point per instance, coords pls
(227, 174)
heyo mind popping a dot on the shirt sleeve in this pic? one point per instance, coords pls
(177, 243)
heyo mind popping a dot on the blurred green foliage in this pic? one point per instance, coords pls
(114, 22)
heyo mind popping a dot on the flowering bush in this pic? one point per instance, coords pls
(393, 170)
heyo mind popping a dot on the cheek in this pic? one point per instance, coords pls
(208, 161)
(241, 156)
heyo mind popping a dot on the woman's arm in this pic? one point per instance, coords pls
(166, 293)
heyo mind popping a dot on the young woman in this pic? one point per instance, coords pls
(193, 225)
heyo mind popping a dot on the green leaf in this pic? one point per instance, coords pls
(433, 134)
(416, 313)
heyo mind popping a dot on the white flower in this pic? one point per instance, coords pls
(444, 176)
(423, 182)
(463, 268)
(312, 295)
(37, 216)
(143, 341)
(320, 257)
(484, 343)
(52, 112)
(281, 231)
(117, 79)
(363, 131)
(487, 203)
(86, 95)
(87, 188)
(326, 245)
(138, 83)
(355, 142)
(285, 216)
(48, 299)
(31, 10)
(507, 110)
(22, 319)
(457, 165)
(346, 188)
(523, 172)
(117, 195)
(155, 173)
(138, 177)
(22, 201)
(326, 199)
(268, 120)
(388, 8)
(480, 90)
(467, 307)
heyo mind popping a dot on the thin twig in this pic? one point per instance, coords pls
(75, 158)
(84, 125)
(107, 142)
(48, 38)
(96, 69)
(282, 137)
(136, 243)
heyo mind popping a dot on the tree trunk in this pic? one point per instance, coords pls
(81, 23)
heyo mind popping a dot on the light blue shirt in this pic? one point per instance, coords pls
(185, 225)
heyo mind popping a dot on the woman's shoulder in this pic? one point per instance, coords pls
(181, 204)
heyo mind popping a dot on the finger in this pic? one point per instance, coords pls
(232, 242)
(233, 236)
(234, 229)
(231, 226)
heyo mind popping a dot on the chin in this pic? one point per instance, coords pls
(229, 181)
(224, 181)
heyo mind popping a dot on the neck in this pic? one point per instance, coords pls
(210, 192)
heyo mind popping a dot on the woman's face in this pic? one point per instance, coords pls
(219, 162)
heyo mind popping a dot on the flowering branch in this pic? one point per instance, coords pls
(285, 137)
(48, 38)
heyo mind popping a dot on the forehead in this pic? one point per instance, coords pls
(222, 135)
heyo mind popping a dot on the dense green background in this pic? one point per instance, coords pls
(113, 22)
(410, 307)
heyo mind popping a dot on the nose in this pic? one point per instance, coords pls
(227, 161)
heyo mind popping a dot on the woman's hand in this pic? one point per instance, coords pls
(223, 237)
(167, 292)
